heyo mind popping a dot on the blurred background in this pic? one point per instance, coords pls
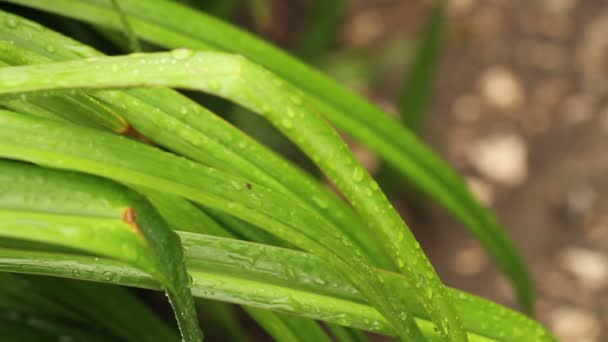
(519, 107)
(512, 93)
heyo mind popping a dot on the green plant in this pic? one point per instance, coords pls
(109, 176)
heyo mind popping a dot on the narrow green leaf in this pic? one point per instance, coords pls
(416, 93)
(181, 125)
(177, 211)
(133, 42)
(263, 276)
(323, 20)
(77, 148)
(351, 113)
(259, 90)
(116, 223)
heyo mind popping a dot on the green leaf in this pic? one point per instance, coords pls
(416, 93)
(181, 125)
(323, 18)
(179, 213)
(133, 42)
(360, 119)
(286, 281)
(56, 145)
(258, 90)
(113, 222)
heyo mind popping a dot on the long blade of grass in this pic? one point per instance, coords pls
(117, 223)
(185, 216)
(416, 93)
(323, 19)
(259, 90)
(364, 121)
(76, 148)
(181, 125)
(178, 212)
(263, 276)
(133, 42)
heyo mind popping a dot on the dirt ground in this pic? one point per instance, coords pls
(521, 110)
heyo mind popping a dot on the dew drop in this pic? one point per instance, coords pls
(320, 202)
(358, 174)
(107, 276)
(236, 185)
(50, 48)
(214, 85)
(286, 123)
(11, 22)
(181, 54)
(429, 292)
(296, 100)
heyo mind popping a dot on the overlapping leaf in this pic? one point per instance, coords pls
(259, 90)
(263, 276)
(54, 144)
(188, 28)
(43, 205)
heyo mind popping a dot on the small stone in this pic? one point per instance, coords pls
(591, 52)
(470, 260)
(482, 191)
(604, 119)
(488, 23)
(364, 28)
(461, 6)
(590, 268)
(578, 108)
(558, 6)
(542, 55)
(466, 108)
(573, 324)
(581, 200)
(501, 88)
(501, 158)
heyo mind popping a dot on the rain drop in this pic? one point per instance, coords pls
(286, 123)
(11, 22)
(236, 185)
(429, 292)
(181, 54)
(296, 100)
(358, 174)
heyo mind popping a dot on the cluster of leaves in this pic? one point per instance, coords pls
(108, 175)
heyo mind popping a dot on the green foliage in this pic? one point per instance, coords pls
(99, 161)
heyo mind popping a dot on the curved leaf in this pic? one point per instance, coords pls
(362, 120)
(96, 216)
(259, 90)
(264, 276)
(57, 145)
(181, 125)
